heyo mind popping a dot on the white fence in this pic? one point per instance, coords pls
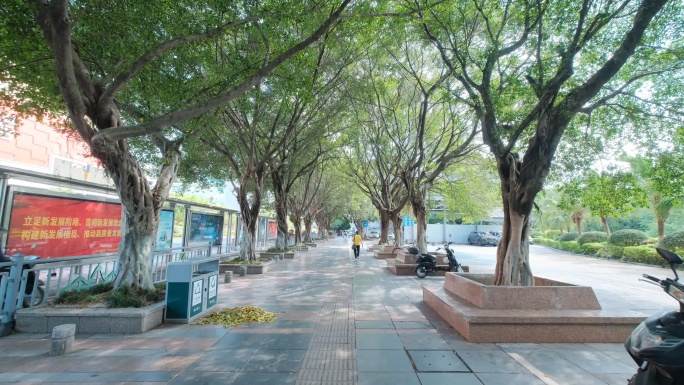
(440, 233)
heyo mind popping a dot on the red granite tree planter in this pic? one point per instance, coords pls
(549, 312)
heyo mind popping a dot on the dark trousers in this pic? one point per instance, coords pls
(357, 249)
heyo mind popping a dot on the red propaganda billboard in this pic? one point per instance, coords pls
(52, 227)
(272, 230)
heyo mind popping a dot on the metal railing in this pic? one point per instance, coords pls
(47, 278)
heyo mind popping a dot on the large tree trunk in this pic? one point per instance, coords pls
(249, 212)
(141, 209)
(308, 222)
(281, 212)
(398, 231)
(297, 221)
(135, 251)
(514, 268)
(420, 212)
(512, 254)
(604, 221)
(359, 227)
(384, 227)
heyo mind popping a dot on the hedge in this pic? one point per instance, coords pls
(567, 237)
(551, 234)
(571, 246)
(626, 238)
(673, 241)
(591, 248)
(610, 251)
(592, 237)
(643, 254)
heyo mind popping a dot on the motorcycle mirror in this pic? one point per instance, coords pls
(672, 260)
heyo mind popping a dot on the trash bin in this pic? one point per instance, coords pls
(191, 288)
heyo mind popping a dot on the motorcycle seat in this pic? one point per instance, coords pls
(427, 255)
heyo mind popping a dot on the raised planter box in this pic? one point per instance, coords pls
(309, 244)
(551, 312)
(269, 256)
(92, 320)
(289, 255)
(251, 269)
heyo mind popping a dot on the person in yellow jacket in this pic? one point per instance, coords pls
(356, 244)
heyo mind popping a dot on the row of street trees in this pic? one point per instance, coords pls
(394, 94)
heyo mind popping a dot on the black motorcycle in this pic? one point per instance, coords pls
(657, 344)
(427, 263)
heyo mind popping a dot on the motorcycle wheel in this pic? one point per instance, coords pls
(34, 299)
(421, 272)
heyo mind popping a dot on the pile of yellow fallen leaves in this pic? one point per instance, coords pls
(238, 316)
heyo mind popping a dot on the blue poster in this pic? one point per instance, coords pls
(165, 230)
(206, 228)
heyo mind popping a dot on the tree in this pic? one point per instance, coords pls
(302, 198)
(469, 188)
(571, 201)
(571, 55)
(611, 194)
(124, 72)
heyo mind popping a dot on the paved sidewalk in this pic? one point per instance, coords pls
(342, 321)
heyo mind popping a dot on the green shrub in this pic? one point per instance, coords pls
(673, 241)
(126, 296)
(642, 254)
(610, 251)
(92, 294)
(567, 237)
(547, 242)
(535, 234)
(626, 238)
(570, 246)
(592, 237)
(591, 248)
(551, 234)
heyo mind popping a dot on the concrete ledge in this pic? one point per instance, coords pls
(479, 290)
(91, 320)
(289, 255)
(251, 269)
(384, 255)
(531, 326)
(269, 255)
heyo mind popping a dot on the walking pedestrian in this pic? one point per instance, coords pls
(356, 244)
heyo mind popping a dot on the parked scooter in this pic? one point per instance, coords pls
(657, 344)
(31, 297)
(427, 263)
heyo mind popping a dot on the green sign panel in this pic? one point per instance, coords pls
(212, 293)
(196, 298)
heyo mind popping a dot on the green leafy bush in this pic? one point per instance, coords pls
(126, 296)
(627, 238)
(547, 242)
(535, 233)
(591, 248)
(82, 296)
(592, 237)
(610, 251)
(570, 246)
(642, 254)
(674, 241)
(567, 237)
(551, 234)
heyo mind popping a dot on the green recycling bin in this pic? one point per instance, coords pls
(191, 288)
